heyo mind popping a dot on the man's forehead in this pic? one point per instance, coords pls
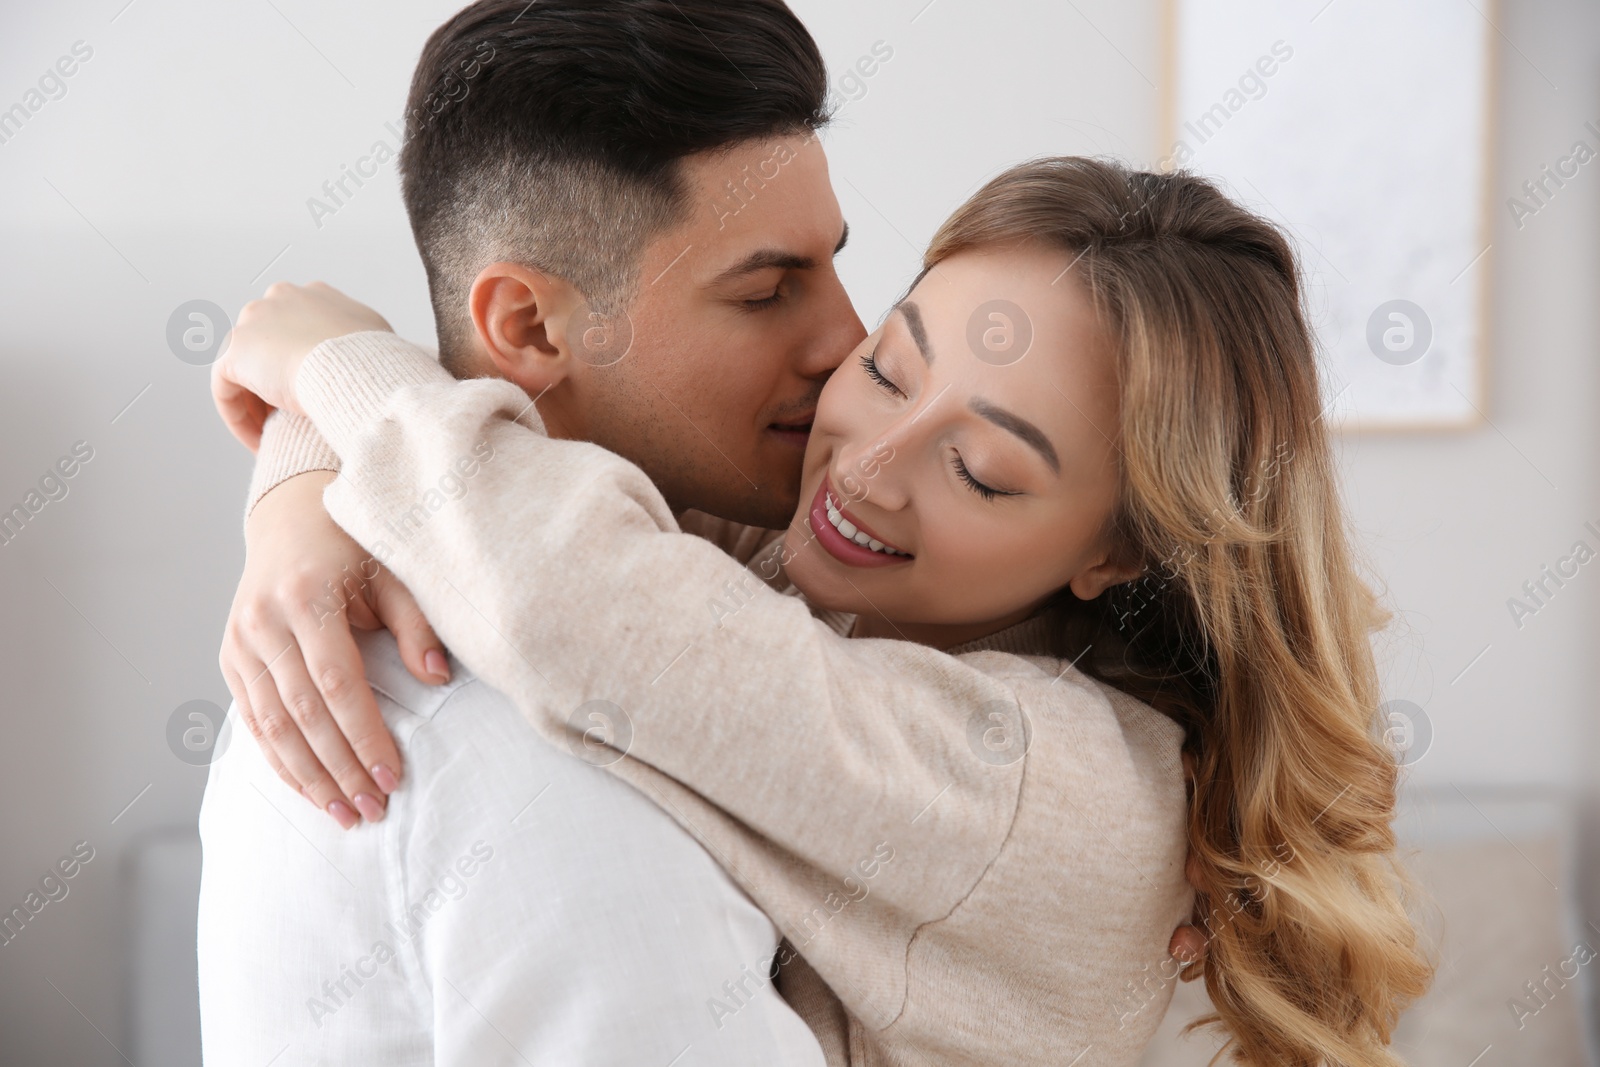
(790, 220)
(766, 198)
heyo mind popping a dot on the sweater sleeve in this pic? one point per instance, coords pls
(557, 572)
(290, 445)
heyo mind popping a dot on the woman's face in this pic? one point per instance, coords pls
(970, 438)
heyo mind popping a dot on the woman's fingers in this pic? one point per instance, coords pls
(247, 715)
(323, 760)
(420, 647)
(285, 747)
(1188, 944)
(289, 641)
(281, 735)
(334, 663)
(242, 411)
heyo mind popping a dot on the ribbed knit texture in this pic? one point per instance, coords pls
(290, 445)
(957, 898)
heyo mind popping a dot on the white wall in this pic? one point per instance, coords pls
(178, 165)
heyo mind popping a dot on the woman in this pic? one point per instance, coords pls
(1058, 564)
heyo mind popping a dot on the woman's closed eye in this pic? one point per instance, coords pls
(869, 362)
(988, 492)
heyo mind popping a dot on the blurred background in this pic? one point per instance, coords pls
(176, 164)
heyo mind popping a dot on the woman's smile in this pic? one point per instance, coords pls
(845, 538)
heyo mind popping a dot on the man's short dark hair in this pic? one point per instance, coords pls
(550, 133)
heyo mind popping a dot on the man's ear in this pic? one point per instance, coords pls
(521, 317)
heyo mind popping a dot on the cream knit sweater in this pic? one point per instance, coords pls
(975, 856)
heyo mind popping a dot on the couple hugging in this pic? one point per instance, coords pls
(813, 696)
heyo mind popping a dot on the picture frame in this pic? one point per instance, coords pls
(1366, 130)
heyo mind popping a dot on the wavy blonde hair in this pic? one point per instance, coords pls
(1251, 624)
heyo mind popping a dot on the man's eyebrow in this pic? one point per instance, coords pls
(1019, 427)
(765, 259)
(770, 258)
(919, 333)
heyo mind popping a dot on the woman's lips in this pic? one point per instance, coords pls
(840, 547)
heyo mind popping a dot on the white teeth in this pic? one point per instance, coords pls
(848, 529)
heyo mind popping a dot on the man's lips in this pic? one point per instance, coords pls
(795, 431)
(837, 545)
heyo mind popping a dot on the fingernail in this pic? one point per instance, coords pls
(436, 664)
(386, 779)
(368, 806)
(342, 814)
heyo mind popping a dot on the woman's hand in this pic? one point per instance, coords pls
(292, 664)
(1189, 941)
(272, 338)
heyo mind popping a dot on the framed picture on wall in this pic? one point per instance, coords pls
(1364, 127)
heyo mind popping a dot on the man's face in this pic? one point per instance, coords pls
(738, 321)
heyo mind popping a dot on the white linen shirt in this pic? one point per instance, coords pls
(517, 904)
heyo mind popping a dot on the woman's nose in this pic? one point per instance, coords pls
(875, 468)
(881, 463)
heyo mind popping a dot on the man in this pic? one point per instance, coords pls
(516, 901)
(638, 177)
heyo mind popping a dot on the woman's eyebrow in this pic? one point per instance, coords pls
(1019, 427)
(919, 333)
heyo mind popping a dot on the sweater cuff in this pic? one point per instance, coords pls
(290, 446)
(345, 383)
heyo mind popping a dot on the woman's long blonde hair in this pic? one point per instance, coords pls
(1251, 624)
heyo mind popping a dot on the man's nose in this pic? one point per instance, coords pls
(839, 330)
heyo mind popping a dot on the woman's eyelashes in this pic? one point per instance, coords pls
(988, 492)
(869, 362)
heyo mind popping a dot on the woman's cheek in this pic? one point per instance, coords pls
(987, 557)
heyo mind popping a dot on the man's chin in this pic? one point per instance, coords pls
(772, 511)
(774, 503)
(764, 507)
